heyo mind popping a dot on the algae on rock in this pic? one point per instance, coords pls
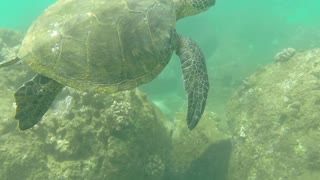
(90, 136)
(202, 153)
(275, 121)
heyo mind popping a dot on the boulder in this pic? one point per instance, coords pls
(275, 122)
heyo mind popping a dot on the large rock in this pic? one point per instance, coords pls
(202, 153)
(275, 121)
(87, 136)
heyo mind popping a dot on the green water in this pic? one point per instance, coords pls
(236, 38)
(19, 14)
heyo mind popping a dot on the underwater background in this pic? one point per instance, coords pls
(236, 37)
(240, 40)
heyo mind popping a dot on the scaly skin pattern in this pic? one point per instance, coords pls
(186, 8)
(195, 77)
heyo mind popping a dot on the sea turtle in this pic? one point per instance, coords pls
(108, 46)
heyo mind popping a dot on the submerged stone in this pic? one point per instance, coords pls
(88, 136)
(275, 121)
(202, 153)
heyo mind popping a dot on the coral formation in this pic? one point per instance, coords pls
(275, 121)
(284, 55)
(90, 136)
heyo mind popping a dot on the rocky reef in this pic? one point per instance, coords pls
(275, 120)
(88, 136)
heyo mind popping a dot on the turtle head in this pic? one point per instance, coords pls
(191, 7)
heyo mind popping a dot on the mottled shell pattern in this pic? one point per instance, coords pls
(101, 45)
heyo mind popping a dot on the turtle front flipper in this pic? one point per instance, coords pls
(195, 77)
(33, 99)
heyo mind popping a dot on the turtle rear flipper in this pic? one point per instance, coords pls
(195, 77)
(9, 62)
(33, 99)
